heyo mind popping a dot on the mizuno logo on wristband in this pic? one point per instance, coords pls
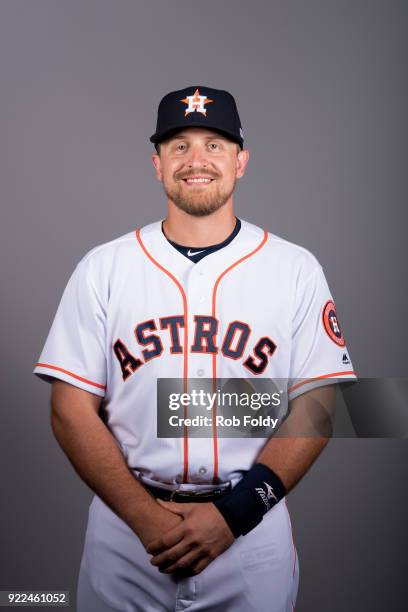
(266, 496)
(269, 491)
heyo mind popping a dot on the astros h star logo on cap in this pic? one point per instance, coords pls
(189, 106)
(196, 103)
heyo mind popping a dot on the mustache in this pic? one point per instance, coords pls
(205, 174)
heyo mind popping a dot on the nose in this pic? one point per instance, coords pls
(197, 157)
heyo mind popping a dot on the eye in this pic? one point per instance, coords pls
(214, 145)
(178, 147)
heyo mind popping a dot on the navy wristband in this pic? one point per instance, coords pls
(256, 493)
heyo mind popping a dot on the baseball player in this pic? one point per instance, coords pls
(184, 522)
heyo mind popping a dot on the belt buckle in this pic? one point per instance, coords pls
(195, 494)
(186, 494)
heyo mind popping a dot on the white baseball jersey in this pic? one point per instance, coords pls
(135, 309)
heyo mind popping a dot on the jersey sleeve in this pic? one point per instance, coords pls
(74, 350)
(319, 354)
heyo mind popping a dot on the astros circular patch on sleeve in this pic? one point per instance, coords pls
(331, 323)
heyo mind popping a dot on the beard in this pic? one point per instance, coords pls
(199, 201)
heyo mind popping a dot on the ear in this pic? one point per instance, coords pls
(156, 161)
(242, 161)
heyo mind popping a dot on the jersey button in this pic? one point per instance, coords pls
(202, 470)
(200, 372)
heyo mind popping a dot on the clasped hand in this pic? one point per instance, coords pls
(192, 544)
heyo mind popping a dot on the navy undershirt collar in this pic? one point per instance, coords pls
(194, 254)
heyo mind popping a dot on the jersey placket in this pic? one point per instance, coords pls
(200, 366)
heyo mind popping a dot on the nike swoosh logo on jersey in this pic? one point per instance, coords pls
(190, 254)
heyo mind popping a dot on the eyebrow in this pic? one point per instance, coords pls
(183, 136)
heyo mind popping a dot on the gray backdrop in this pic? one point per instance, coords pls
(322, 95)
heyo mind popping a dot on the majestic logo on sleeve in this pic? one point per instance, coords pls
(196, 103)
(331, 324)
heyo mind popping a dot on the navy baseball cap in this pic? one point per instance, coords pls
(198, 106)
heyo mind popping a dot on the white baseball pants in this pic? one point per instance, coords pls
(258, 573)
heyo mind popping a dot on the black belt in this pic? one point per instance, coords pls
(187, 496)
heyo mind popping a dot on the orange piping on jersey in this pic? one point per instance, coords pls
(214, 358)
(305, 382)
(185, 367)
(85, 380)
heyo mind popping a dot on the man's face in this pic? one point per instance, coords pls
(199, 169)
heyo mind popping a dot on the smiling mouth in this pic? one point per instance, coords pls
(198, 181)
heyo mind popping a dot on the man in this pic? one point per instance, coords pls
(185, 521)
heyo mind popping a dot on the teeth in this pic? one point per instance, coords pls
(198, 180)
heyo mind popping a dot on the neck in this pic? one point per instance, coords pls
(185, 229)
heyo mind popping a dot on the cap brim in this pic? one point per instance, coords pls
(165, 134)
